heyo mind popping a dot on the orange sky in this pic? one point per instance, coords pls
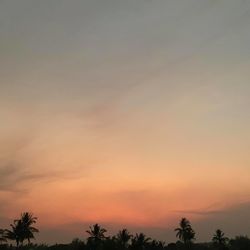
(125, 113)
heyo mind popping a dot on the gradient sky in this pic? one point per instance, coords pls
(129, 113)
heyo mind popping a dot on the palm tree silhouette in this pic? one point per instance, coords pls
(22, 229)
(27, 220)
(140, 241)
(96, 236)
(219, 239)
(97, 232)
(16, 232)
(185, 232)
(123, 238)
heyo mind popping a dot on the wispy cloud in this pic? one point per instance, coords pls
(16, 178)
(199, 212)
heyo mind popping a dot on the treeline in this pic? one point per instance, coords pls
(22, 231)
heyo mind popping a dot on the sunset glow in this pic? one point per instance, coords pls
(126, 113)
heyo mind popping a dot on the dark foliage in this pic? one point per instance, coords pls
(22, 230)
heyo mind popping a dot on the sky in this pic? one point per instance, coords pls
(126, 113)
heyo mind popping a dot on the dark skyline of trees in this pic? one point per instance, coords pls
(22, 231)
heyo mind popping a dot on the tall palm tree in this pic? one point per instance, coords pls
(185, 232)
(27, 220)
(22, 229)
(219, 239)
(16, 232)
(123, 238)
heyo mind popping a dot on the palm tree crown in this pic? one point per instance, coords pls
(219, 238)
(123, 237)
(22, 229)
(27, 220)
(185, 232)
(96, 232)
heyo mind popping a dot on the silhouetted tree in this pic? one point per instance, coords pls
(16, 232)
(96, 232)
(22, 229)
(27, 220)
(123, 237)
(140, 241)
(219, 239)
(185, 232)
(96, 236)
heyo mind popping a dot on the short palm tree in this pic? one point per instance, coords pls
(185, 232)
(96, 232)
(140, 241)
(96, 236)
(219, 238)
